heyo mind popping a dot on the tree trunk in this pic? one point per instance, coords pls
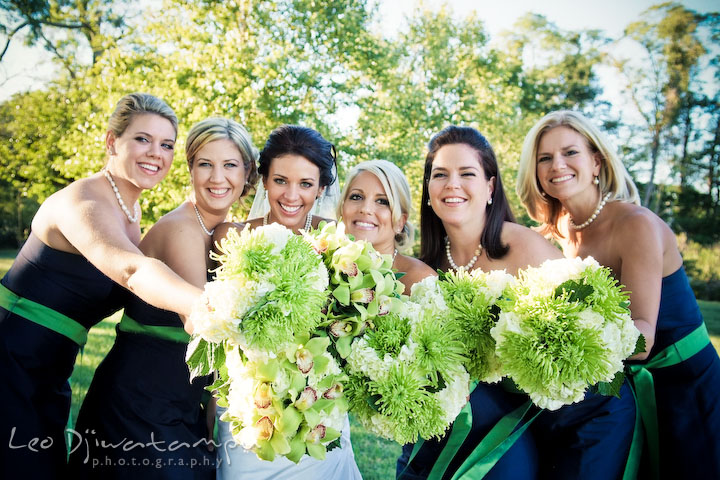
(19, 233)
(713, 186)
(654, 151)
(684, 160)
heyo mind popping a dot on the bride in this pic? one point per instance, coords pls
(297, 166)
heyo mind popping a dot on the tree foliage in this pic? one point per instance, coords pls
(326, 65)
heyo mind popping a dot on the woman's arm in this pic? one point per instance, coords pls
(637, 240)
(96, 228)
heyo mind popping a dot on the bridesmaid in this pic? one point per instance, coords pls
(297, 166)
(141, 393)
(375, 206)
(571, 181)
(84, 239)
(466, 223)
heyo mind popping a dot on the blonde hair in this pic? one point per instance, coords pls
(138, 104)
(218, 128)
(398, 194)
(614, 177)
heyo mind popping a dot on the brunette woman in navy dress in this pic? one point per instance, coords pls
(68, 277)
(466, 223)
(572, 182)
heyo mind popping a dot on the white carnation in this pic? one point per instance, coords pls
(507, 322)
(275, 234)
(590, 319)
(454, 396)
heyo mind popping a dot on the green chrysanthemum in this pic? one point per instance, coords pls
(475, 313)
(439, 349)
(294, 306)
(403, 396)
(553, 348)
(390, 334)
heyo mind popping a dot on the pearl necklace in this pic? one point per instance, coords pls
(308, 220)
(452, 262)
(597, 211)
(393, 259)
(202, 224)
(132, 218)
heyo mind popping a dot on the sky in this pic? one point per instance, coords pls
(25, 67)
(609, 15)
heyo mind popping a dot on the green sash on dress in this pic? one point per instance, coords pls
(644, 385)
(42, 315)
(173, 334)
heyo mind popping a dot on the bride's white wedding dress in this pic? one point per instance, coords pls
(236, 463)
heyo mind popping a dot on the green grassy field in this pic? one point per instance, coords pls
(375, 457)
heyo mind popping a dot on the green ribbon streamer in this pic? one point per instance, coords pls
(42, 315)
(460, 430)
(173, 334)
(495, 444)
(676, 353)
(632, 467)
(488, 452)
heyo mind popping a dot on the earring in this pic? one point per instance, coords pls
(543, 194)
(428, 202)
(596, 181)
(490, 201)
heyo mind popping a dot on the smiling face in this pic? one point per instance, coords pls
(367, 214)
(566, 166)
(218, 175)
(143, 154)
(457, 186)
(292, 184)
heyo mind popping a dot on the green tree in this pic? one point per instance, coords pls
(556, 68)
(659, 87)
(65, 28)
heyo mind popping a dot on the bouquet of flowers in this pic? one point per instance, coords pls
(565, 326)
(471, 299)
(362, 284)
(290, 404)
(270, 286)
(282, 388)
(406, 375)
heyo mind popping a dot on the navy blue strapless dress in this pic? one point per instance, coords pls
(141, 395)
(586, 440)
(687, 394)
(36, 362)
(489, 403)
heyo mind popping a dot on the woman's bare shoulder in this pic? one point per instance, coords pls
(414, 270)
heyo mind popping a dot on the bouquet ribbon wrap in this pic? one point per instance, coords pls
(642, 380)
(490, 449)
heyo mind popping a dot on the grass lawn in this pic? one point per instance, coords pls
(375, 457)
(6, 259)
